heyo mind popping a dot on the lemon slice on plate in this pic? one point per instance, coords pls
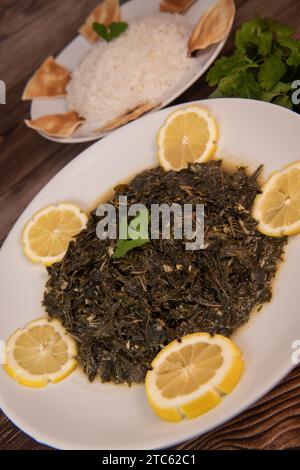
(40, 353)
(189, 135)
(188, 378)
(47, 235)
(277, 209)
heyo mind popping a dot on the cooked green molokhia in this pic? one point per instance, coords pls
(122, 312)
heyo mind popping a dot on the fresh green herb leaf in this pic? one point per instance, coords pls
(229, 84)
(116, 29)
(279, 89)
(137, 234)
(263, 66)
(249, 87)
(216, 93)
(123, 246)
(271, 71)
(138, 227)
(264, 43)
(281, 30)
(226, 66)
(283, 101)
(293, 47)
(102, 31)
(241, 84)
(110, 32)
(251, 35)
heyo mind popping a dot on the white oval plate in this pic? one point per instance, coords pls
(73, 54)
(75, 414)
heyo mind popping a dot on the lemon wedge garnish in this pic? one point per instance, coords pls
(277, 208)
(47, 235)
(40, 353)
(190, 377)
(189, 135)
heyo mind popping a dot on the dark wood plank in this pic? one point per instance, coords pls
(30, 30)
(273, 423)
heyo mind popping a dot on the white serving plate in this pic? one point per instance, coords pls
(75, 414)
(73, 54)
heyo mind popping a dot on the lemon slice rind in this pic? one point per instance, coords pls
(259, 213)
(207, 396)
(24, 377)
(27, 248)
(211, 145)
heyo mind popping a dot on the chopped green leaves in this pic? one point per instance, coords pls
(110, 32)
(136, 234)
(263, 66)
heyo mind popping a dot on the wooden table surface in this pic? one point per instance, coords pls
(31, 30)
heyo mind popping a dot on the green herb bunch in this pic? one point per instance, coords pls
(264, 65)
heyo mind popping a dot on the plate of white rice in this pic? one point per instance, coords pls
(146, 64)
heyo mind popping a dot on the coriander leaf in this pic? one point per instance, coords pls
(224, 66)
(123, 246)
(241, 84)
(216, 94)
(116, 29)
(228, 85)
(271, 71)
(284, 101)
(281, 30)
(249, 87)
(280, 88)
(263, 66)
(293, 45)
(102, 31)
(251, 33)
(264, 43)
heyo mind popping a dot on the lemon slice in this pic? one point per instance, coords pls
(189, 135)
(40, 353)
(277, 209)
(47, 235)
(189, 378)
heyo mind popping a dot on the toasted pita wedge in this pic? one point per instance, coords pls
(56, 125)
(175, 6)
(49, 81)
(106, 13)
(129, 116)
(213, 26)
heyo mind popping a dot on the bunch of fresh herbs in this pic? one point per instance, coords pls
(264, 65)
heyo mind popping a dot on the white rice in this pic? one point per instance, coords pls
(138, 67)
